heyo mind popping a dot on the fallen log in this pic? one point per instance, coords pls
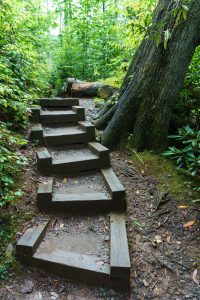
(67, 86)
(86, 89)
(77, 88)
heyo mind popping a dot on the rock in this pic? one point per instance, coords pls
(145, 283)
(27, 287)
(54, 295)
(37, 296)
(70, 297)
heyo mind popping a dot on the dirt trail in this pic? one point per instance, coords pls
(163, 254)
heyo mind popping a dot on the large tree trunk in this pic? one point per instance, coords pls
(154, 79)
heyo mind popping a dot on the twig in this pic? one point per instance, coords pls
(138, 157)
(164, 264)
(163, 212)
(180, 264)
(163, 200)
(131, 173)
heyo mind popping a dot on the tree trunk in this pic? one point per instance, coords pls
(155, 78)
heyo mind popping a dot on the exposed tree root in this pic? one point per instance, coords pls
(102, 122)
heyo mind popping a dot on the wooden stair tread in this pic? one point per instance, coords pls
(81, 197)
(50, 132)
(57, 112)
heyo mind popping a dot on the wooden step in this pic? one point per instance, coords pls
(62, 116)
(58, 102)
(79, 266)
(108, 195)
(72, 159)
(88, 202)
(63, 134)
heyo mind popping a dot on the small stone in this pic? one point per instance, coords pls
(27, 287)
(54, 295)
(107, 238)
(70, 297)
(145, 283)
(37, 296)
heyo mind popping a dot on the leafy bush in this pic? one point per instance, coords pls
(24, 70)
(11, 164)
(23, 66)
(187, 155)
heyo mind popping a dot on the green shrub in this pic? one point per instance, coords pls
(187, 153)
(11, 164)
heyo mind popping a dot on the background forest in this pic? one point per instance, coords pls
(44, 42)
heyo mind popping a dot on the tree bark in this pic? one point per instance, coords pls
(103, 121)
(154, 80)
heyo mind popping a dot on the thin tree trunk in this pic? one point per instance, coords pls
(154, 80)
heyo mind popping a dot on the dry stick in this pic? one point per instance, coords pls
(164, 264)
(138, 157)
(163, 212)
(134, 170)
(137, 171)
(180, 264)
(162, 202)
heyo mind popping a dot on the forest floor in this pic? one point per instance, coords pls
(164, 254)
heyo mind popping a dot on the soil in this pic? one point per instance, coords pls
(164, 255)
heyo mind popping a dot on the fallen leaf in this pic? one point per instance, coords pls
(61, 225)
(158, 239)
(168, 238)
(178, 242)
(9, 288)
(193, 276)
(188, 224)
(145, 283)
(183, 206)
(65, 179)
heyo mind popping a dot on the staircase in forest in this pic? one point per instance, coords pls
(79, 183)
